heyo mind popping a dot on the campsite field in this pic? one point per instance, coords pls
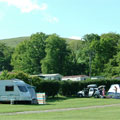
(60, 103)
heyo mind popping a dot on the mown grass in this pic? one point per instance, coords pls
(58, 103)
(108, 113)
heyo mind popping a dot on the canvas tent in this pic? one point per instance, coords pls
(114, 91)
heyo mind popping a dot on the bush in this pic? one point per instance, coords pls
(35, 81)
(50, 87)
(69, 88)
(23, 76)
(5, 75)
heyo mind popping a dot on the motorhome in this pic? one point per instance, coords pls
(16, 90)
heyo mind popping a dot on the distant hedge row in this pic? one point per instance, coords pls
(54, 87)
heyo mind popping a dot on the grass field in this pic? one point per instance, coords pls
(107, 113)
(112, 113)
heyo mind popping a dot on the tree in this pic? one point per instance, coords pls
(107, 50)
(91, 46)
(56, 55)
(5, 57)
(28, 54)
(100, 50)
(77, 64)
(112, 68)
(108, 44)
(76, 46)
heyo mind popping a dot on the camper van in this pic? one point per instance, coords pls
(114, 91)
(16, 90)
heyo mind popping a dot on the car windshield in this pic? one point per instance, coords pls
(22, 88)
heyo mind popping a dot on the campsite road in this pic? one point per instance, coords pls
(58, 110)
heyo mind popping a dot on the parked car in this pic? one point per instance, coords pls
(93, 91)
(88, 92)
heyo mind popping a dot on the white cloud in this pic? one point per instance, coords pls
(49, 18)
(26, 6)
(75, 37)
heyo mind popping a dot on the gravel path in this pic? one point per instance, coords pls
(58, 110)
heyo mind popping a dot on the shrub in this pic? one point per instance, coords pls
(35, 81)
(23, 76)
(50, 87)
(69, 88)
(5, 75)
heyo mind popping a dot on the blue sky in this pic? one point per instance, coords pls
(67, 18)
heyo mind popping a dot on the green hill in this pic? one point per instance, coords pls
(12, 42)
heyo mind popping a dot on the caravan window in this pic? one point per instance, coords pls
(22, 88)
(9, 88)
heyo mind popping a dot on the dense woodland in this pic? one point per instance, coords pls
(93, 55)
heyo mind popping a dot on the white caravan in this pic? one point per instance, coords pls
(16, 90)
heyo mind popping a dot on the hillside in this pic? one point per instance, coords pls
(12, 42)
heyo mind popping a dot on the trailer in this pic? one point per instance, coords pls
(16, 90)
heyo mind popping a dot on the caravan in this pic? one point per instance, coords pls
(16, 90)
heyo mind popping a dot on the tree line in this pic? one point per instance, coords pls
(93, 55)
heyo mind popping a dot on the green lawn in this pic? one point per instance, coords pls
(111, 113)
(58, 103)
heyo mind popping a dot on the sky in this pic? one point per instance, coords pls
(67, 18)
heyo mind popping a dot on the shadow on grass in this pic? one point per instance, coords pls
(49, 101)
(58, 99)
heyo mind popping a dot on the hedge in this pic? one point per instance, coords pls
(69, 88)
(54, 87)
(50, 87)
